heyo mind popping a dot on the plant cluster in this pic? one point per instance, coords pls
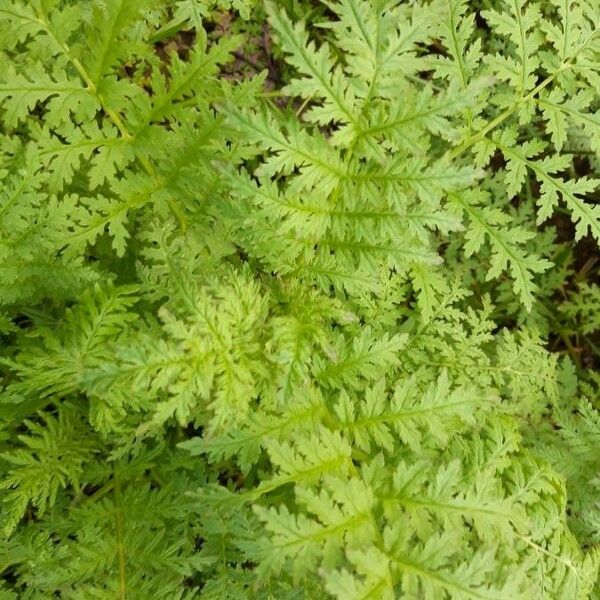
(299, 300)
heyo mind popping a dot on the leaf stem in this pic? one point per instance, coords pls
(119, 528)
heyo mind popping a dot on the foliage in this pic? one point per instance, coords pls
(299, 300)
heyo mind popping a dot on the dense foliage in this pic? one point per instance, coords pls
(299, 300)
